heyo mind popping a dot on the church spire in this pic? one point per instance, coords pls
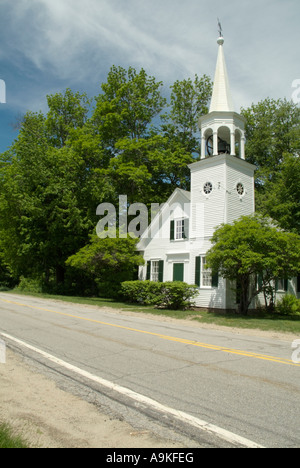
(221, 98)
(222, 129)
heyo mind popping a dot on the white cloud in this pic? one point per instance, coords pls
(71, 42)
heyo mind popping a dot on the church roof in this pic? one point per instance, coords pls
(221, 97)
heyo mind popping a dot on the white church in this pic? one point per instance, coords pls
(175, 244)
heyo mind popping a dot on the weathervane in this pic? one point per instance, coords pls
(220, 28)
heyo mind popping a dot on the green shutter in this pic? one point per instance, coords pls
(259, 280)
(215, 280)
(238, 290)
(148, 271)
(178, 271)
(172, 230)
(161, 271)
(197, 270)
(185, 228)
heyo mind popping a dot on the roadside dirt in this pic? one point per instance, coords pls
(48, 417)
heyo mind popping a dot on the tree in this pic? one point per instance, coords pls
(129, 102)
(250, 247)
(109, 261)
(272, 130)
(189, 100)
(47, 193)
(282, 197)
(67, 112)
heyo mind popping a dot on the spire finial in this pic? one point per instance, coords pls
(220, 39)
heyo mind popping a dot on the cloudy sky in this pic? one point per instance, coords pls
(47, 46)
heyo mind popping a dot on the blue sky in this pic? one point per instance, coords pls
(47, 46)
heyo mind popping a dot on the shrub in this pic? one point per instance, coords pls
(177, 295)
(30, 285)
(144, 292)
(170, 295)
(288, 305)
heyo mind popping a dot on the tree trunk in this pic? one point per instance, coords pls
(244, 295)
(60, 274)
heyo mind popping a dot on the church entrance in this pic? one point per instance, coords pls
(178, 271)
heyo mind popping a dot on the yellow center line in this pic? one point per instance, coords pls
(165, 337)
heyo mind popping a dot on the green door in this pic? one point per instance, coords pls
(178, 270)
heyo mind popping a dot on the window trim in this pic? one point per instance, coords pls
(175, 229)
(199, 274)
(159, 273)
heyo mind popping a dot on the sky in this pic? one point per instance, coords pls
(47, 46)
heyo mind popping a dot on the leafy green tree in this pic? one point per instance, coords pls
(129, 102)
(282, 197)
(189, 100)
(67, 111)
(110, 261)
(272, 130)
(47, 193)
(253, 247)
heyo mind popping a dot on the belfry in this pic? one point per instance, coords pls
(222, 129)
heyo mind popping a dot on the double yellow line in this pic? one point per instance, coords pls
(166, 337)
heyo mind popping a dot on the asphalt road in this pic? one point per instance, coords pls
(216, 388)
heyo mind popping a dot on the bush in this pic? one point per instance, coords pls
(288, 305)
(143, 292)
(177, 295)
(30, 285)
(170, 295)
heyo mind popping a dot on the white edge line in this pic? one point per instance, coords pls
(182, 416)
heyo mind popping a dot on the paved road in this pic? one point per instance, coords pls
(218, 388)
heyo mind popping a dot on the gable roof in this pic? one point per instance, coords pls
(178, 193)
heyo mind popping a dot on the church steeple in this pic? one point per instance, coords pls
(222, 129)
(221, 97)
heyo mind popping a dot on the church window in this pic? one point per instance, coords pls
(281, 284)
(155, 270)
(206, 274)
(207, 188)
(204, 277)
(179, 229)
(240, 188)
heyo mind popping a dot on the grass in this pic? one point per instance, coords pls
(258, 320)
(9, 440)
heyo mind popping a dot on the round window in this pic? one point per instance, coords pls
(240, 188)
(207, 188)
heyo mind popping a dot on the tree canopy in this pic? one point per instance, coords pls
(65, 163)
(134, 139)
(253, 247)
